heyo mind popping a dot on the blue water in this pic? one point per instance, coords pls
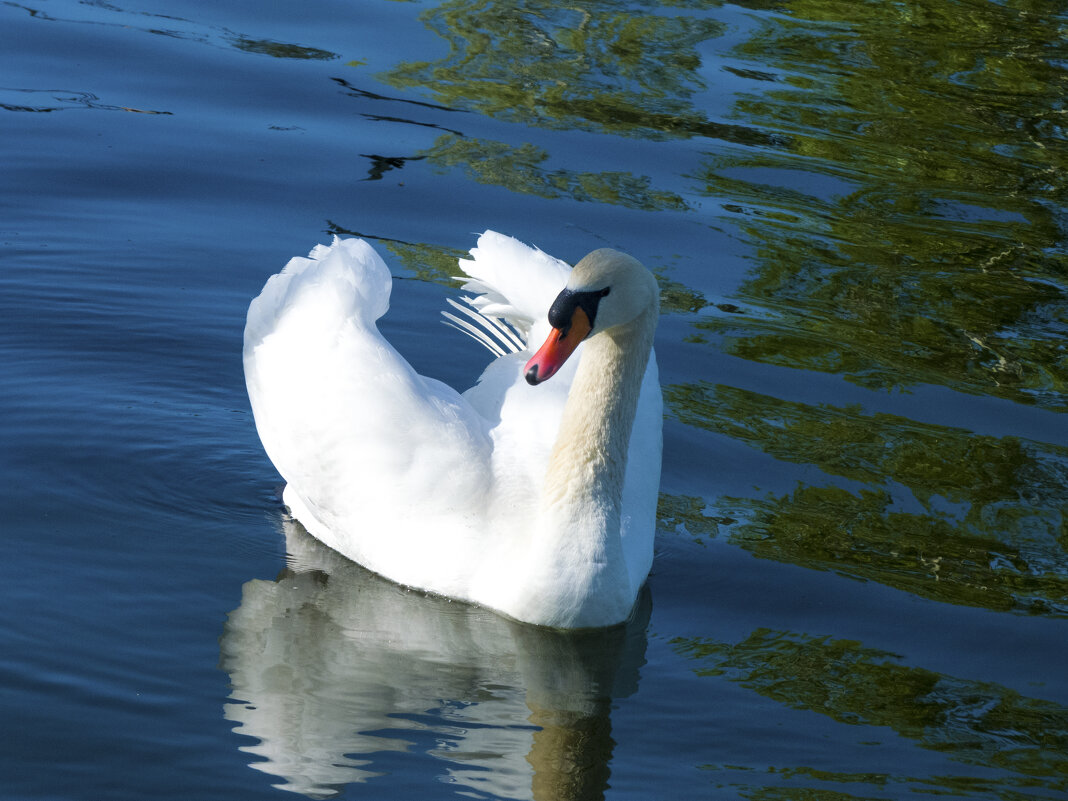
(861, 577)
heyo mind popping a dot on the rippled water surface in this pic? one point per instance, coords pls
(856, 211)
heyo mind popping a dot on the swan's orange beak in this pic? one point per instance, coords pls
(560, 344)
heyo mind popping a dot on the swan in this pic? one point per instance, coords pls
(534, 492)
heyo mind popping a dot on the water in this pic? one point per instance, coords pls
(856, 214)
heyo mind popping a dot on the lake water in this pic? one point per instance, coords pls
(857, 214)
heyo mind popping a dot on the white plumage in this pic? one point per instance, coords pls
(464, 495)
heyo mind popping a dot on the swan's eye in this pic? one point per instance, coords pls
(563, 308)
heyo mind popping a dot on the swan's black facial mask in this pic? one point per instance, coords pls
(563, 308)
(571, 317)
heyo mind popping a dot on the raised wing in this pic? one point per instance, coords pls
(349, 424)
(513, 285)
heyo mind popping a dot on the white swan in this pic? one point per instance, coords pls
(535, 500)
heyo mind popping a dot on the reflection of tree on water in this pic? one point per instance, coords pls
(907, 226)
(938, 511)
(342, 676)
(1013, 745)
(910, 226)
(607, 66)
(520, 170)
(604, 66)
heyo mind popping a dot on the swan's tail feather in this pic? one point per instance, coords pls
(492, 332)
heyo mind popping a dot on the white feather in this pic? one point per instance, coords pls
(492, 332)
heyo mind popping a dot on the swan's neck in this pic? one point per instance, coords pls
(589, 458)
(583, 492)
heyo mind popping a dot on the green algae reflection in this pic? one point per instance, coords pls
(936, 511)
(520, 169)
(601, 66)
(909, 225)
(282, 49)
(1019, 743)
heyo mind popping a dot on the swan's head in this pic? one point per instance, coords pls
(605, 290)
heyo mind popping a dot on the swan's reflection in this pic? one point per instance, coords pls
(343, 677)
